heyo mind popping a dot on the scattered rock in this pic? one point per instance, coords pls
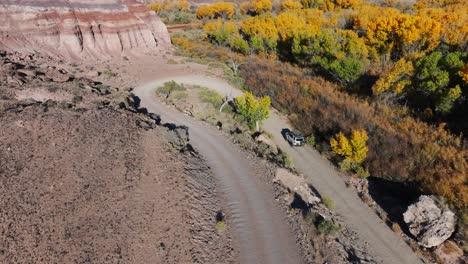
(449, 253)
(178, 136)
(264, 139)
(57, 76)
(92, 74)
(28, 72)
(102, 90)
(428, 222)
(361, 185)
(296, 184)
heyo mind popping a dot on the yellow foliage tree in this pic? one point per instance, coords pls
(244, 7)
(403, 35)
(219, 31)
(290, 5)
(354, 149)
(437, 3)
(314, 19)
(340, 145)
(366, 13)
(261, 32)
(260, 6)
(253, 110)
(454, 20)
(359, 145)
(183, 6)
(348, 3)
(156, 7)
(396, 79)
(223, 10)
(289, 25)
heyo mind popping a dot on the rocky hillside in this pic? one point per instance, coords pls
(80, 29)
(88, 177)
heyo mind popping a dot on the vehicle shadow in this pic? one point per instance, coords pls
(284, 132)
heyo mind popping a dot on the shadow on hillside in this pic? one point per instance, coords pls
(392, 197)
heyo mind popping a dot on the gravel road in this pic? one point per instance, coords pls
(260, 227)
(262, 234)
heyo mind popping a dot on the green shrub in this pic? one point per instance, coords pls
(220, 226)
(171, 17)
(312, 218)
(287, 160)
(328, 202)
(109, 73)
(171, 61)
(169, 87)
(326, 227)
(211, 97)
(310, 140)
(362, 173)
(180, 96)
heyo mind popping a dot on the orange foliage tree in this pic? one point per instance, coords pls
(454, 21)
(403, 35)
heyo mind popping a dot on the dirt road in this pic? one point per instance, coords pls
(260, 227)
(385, 246)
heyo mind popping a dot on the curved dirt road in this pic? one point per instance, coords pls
(260, 227)
(384, 245)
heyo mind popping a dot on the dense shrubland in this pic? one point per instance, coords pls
(396, 71)
(418, 56)
(400, 147)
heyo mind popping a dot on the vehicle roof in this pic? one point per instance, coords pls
(296, 133)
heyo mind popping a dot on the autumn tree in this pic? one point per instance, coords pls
(353, 150)
(290, 5)
(183, 5)
(347, 3)
(366, 13)
(244, 7)
(396, 80)
(454, 20)
(289, 24)
(257, 7)
(261, 33)
(224, 10)
(239, 44)
(431, 82)
(253, 110)
(156, 7)
(219, 31)
(341, 146)
(403, 35)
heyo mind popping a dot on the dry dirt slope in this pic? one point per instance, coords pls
(82, 181)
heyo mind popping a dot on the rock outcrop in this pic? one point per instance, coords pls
(428, 222)
(80, 29)
(296, 184)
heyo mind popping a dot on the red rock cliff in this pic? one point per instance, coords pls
(80, 29)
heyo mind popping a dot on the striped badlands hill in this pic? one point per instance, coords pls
(80, 28)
